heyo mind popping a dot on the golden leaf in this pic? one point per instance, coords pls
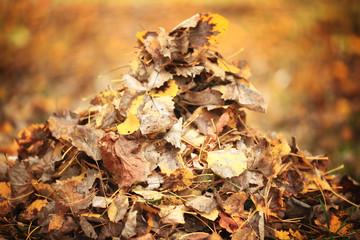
(130, 125)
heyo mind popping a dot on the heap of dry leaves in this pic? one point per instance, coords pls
(168, 155)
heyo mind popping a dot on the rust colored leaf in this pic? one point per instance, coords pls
(32, 140)
(56, 222)
(234, 205)
(228, 223)
(123, 157)
(5, 192)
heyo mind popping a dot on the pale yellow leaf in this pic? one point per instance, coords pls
(227, 163)
(130, 125)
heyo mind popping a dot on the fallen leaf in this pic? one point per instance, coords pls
(118, 208)
(157, 79)
(168, 89)
(157, 115)
(173, 136)
(244, 94)
(172, 214)
(5, 192)
(56, 222)
(88, 229)
(130, 224)
(106, 116)
(283, 235)
(72, 192)
(189, 71)
(202, 204)
(32, 140)
(129, 126)
(234, 205)
(228, 223)
(123, 157)
(203, 98)
(227, 163)
(20, 182)
(148, 194)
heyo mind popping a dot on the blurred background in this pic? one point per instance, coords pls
(304, 57)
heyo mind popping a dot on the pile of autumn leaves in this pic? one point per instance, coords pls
(168, 154)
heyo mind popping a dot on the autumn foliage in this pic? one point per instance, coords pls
(168, 154)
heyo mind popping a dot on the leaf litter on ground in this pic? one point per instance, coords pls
(168, 155)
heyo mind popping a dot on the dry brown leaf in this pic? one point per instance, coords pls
(172, 214)
(88, 229)
(204, 204)
(130, 224)
(234, 205)
(244, 94)
(203, 98)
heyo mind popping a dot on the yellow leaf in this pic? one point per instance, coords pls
(296, 234)
(140, 35)
(136, 104)
(227, 67)
(118, 208)
(130, 125)
(169, 89)
(36, 206)
(212, 215)
(147, 194)
(219, 26)
(5, 192)
(227, 163)
(335, 224)
(283, 235)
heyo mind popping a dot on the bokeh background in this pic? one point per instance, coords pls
(304, 57)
